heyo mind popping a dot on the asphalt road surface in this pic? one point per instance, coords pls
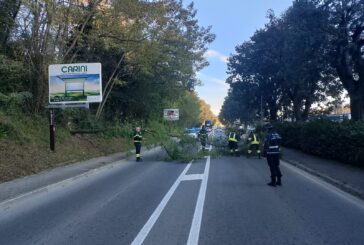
(211, 201)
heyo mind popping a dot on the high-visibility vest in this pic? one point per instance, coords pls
(138, 138)
(232, 137)
(254, 141)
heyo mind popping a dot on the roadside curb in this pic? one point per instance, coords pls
(66, 182)
(339, 184)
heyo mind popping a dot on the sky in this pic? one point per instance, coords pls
(233, 22)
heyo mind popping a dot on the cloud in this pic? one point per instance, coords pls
(208, 79)
(220, 82)
(215, 54)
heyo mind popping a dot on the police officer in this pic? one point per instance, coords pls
(272, 150)
(254, 144)
(138, 138)
(233, 142)
(202, 135)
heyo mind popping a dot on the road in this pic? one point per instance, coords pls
(211, 201)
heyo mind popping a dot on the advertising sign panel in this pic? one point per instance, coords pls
(171, 114)
(75, 83)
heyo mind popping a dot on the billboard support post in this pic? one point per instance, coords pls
(52, 129)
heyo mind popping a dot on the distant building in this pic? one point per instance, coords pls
(332, 117)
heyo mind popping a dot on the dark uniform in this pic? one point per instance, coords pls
(272, 150)
(254, 144)
(202, 135)
(138, 138)
(233, 142)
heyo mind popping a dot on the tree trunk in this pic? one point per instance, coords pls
(357, 103)
(297, 110)
(273, 110)
(307, 109)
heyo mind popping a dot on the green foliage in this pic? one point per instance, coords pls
(13, 122)
(184, 149)
(339, 141)
(16, 125)
(286, 68)
(189, 110)
(5, 126)
(12, 73)
(241, 103)
(345, 48)
(14, 101)
(206, 113)
(290, 133)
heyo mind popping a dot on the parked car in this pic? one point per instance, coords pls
(192, 132)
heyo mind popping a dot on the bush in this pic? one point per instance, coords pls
(339, 141)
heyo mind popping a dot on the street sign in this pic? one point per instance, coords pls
(75, 83)
(171, 114)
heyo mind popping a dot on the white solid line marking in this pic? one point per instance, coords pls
(197, 216)
(333, 189)
(192, 177)
(143, 233)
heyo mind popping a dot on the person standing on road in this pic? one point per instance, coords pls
(233, 142)
(202, 135)
(272, 151)
(138, 138)
(254, 144)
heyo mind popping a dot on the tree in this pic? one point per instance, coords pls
(307, 77)
(346, 32)
(8, 12)
(285, 61)
(206, 113)
(164, 60)
(189, 109)
(240, 104)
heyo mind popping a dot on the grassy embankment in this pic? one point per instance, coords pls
(24, 143)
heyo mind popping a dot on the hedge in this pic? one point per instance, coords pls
(333, 140)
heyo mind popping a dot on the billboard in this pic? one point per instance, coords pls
(171, 114)
(75, 83)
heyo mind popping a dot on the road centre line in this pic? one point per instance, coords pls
(331, 188)
(197, 216)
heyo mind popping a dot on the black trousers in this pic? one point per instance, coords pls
(273, 163)
(233, 146)
(203, 142)
(138, 147)
(254, 147)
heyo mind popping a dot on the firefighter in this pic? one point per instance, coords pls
(254, 144)
(138, 138)
(233, 143)
(272, 151)
(202, 135)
